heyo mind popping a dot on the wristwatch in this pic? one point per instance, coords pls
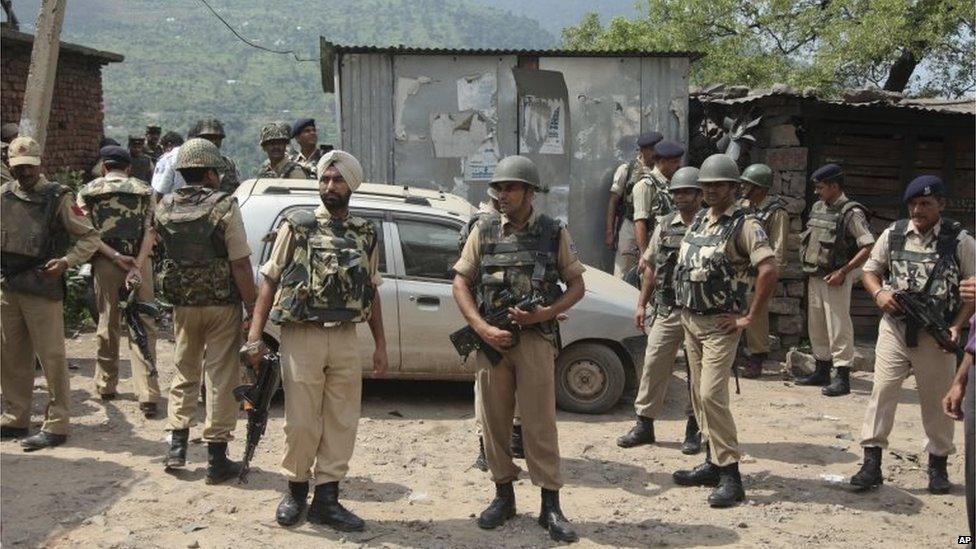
(252, 348)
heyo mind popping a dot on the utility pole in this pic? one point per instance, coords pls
(43, 70)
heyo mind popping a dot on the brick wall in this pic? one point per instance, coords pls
(75, 126)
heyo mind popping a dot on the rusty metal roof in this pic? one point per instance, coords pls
(964, 106)
(407, 50)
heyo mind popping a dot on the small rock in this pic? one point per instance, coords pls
(231, 509)
(98, 520)
(190, 528)
(742, 525)
(193, 544)
(746, 458)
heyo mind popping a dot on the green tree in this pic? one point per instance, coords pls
(920, 46)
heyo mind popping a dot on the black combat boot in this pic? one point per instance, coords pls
(518, 449)
(870, 474)
(500, 509)
(820, 375)
(692, 443)
(641, 433)
(176, 456)
(754, 366)
(219, 468)
(938, 476)
(729, 490)
(293, 504)
(481, 463)
(551, 518)
(327, 510)
(841, 385)
(705, 474)
(41, 440)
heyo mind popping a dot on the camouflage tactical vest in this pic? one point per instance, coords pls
(665, 260)
(522, 263)
(118, 208)
(195, 270)
(912, 271)
(706, 280)
(328, 279)
(30, 236)
(765, 213)
(635, 171)
(663, 202)
(286, 169)
(824, 245)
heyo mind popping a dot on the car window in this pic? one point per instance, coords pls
(374, 219)
(430, 250)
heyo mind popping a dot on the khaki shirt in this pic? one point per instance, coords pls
(567, 258)
(620, 179)
(655, 242)
(235, 238)
(856, 226)
(73, 219)
(778, 229)
(751, 239)
(644, 194)
(915, 241)
(284, 248)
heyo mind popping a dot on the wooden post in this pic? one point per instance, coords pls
(43, 70)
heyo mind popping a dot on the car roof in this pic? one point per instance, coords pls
(368, 195)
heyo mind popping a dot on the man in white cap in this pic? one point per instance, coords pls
(318, 308)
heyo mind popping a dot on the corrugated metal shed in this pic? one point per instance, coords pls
(933, 105)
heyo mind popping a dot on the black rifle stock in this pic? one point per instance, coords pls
(921, 312)
(467, 340)
(131, 308)
(256, 397)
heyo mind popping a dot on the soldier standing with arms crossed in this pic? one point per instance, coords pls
(665, 333)
(526, 253)
(624, 179)
(755, 183)
(318, 308)
(925, 254)
(39, 220)
(712, 282)
(837, 242)
(121, 208)
(205, 274)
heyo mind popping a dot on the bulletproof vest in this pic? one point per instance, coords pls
(765, 213)
(665, 260)
(30, 236)
(635, 171)
(522, 263)
(118, 209)
(328, 279)
(195, 270)
(707, 282)
(663, 202)
(824, 245)
(228, 176)
(935, 271)
(466, 229)
(286, 167)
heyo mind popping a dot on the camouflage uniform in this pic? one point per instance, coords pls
(120, 207)
(310, 163)
(286, 169)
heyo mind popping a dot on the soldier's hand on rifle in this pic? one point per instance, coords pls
(885, 300)
(733, 323)
(55, 267)
(252, 351)
(380, 362)
(528, 318)
(500, 340)
(133, 279)
(835, 278)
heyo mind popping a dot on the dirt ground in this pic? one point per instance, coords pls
(411, 480)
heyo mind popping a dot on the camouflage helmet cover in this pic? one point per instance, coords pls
(760, 175)
(199, 153)
(685, 178)
(718, 168)
(208, 126)
(275, 131)
(517, 168)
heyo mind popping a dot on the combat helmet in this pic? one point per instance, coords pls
(718, 168)
(275, 131)
(199, 153)
(518, 168)
(759, 175)
(685, 178)
(208, 126)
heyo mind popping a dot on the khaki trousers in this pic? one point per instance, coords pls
(627, 251)
(32, 325)
(757, 333)
(321, 373)
(209, 336)
(829, 320)
(933, 369)
(526, 373)
(664, 340)
(479, 421)
(711, 354)
(108, 280)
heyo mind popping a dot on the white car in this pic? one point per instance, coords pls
(418, 243)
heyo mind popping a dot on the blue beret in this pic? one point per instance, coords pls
(300, 125)
(924, 185)
(115, 154)
(106, 142)
(826, 173)
(669, 149)
(649, 139)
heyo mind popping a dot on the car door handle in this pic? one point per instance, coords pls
(426, 300)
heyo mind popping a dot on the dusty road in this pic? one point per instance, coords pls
(410, 477)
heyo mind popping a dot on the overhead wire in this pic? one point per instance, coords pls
(252, 44)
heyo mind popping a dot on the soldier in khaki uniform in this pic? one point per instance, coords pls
(927, 256)
(154, 149)
(274, 141)
(318, 309)
(651, 196)
(835, 244)
(142, 165)
(622, 191)
(713, 281)
(756, 181)
(307, 138)
(206, 274)
(520, 252)
(39, 221)
(212, 130)
(121, 208)
(664, 331)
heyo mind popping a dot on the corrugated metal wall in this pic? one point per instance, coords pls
(365, 107)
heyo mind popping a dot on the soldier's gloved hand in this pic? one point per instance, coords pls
(55, 267)
(733, 323)
(500, 340)
(528, 318)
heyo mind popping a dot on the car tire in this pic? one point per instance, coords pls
(590, 378)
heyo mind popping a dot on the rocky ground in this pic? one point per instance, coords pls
(411, 480)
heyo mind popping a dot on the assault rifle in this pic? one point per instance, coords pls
(131, 308)
(467, 340)
(256, 397)
(921, 311)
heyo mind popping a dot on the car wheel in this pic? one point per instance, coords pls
(589, 378)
